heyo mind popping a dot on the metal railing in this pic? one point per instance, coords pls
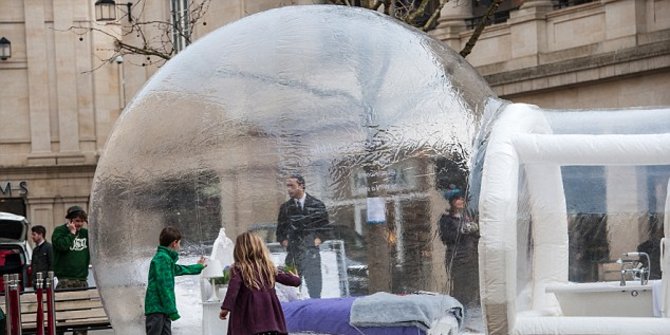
(558, 4)
(498, 17)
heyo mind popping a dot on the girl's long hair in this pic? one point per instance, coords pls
(252, 259)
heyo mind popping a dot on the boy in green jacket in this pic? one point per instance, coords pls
(160, 307)
(3, 325)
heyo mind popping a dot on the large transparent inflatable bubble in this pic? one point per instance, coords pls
(378, 119)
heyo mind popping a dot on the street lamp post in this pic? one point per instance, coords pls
(5, 48)
(105, 10)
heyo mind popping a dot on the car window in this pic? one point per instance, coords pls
(11, 230)
(11, 259)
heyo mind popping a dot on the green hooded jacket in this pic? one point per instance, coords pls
(160, 288)
(71, 254)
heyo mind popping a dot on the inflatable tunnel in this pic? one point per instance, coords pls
(566, 196)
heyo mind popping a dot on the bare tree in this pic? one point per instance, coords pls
(158, 40)
(422, 14)
(480, 27)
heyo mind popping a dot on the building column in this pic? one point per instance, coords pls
(624, 21)
(38, 90)
(528, 31)
(452, 22)
(66, 80)
(106, 89)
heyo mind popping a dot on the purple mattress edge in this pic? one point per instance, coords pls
(331, 316)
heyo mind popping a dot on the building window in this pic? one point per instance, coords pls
(180, 24)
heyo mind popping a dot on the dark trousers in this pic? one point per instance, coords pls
(158, 324)
(463, 271)
(311, 271)
(72, 283)
(308, 263)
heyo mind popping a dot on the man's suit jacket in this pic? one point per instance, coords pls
(301, 226)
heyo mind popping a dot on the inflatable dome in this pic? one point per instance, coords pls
(377, 117)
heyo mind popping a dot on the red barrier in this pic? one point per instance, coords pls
(8, 305)
(40, 305)
(51, 307)
(14, 297)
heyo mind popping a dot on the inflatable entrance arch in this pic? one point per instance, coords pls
(522, 183)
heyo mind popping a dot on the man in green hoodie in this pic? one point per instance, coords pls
(71, 254)
(160, 306)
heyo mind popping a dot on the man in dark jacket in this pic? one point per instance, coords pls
(460, 234)
(43, 256)
(300, 221)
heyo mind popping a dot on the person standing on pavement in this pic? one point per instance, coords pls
(71, 253)
(3, 320)
(460, 234)
(251, 298)
(160, 304)
(43, 256)
(300, 221)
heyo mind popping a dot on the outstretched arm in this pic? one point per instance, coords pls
(288, 279)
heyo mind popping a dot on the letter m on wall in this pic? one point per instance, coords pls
(6, 188)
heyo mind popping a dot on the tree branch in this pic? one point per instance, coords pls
(154, 38)
(434, 16)
(480, 28)
(419, 11)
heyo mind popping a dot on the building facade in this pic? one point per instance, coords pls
(63, 87)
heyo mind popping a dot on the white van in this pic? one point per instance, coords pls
(15, 252)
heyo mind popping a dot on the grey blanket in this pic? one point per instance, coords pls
(390, 310)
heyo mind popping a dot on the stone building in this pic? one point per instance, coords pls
(62, 90)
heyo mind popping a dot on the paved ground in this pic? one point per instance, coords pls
(111, 332)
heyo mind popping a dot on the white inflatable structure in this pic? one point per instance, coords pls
(524, 250)
(371, 111)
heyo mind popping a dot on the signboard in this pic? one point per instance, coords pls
(9, 189)
(376, 210)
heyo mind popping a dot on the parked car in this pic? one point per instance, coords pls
(354, 248)
(15, 253)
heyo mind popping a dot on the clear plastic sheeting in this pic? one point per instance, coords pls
(377, 117)
(573, 215)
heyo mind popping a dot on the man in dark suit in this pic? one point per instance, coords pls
(300, 221)
(43, 254)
